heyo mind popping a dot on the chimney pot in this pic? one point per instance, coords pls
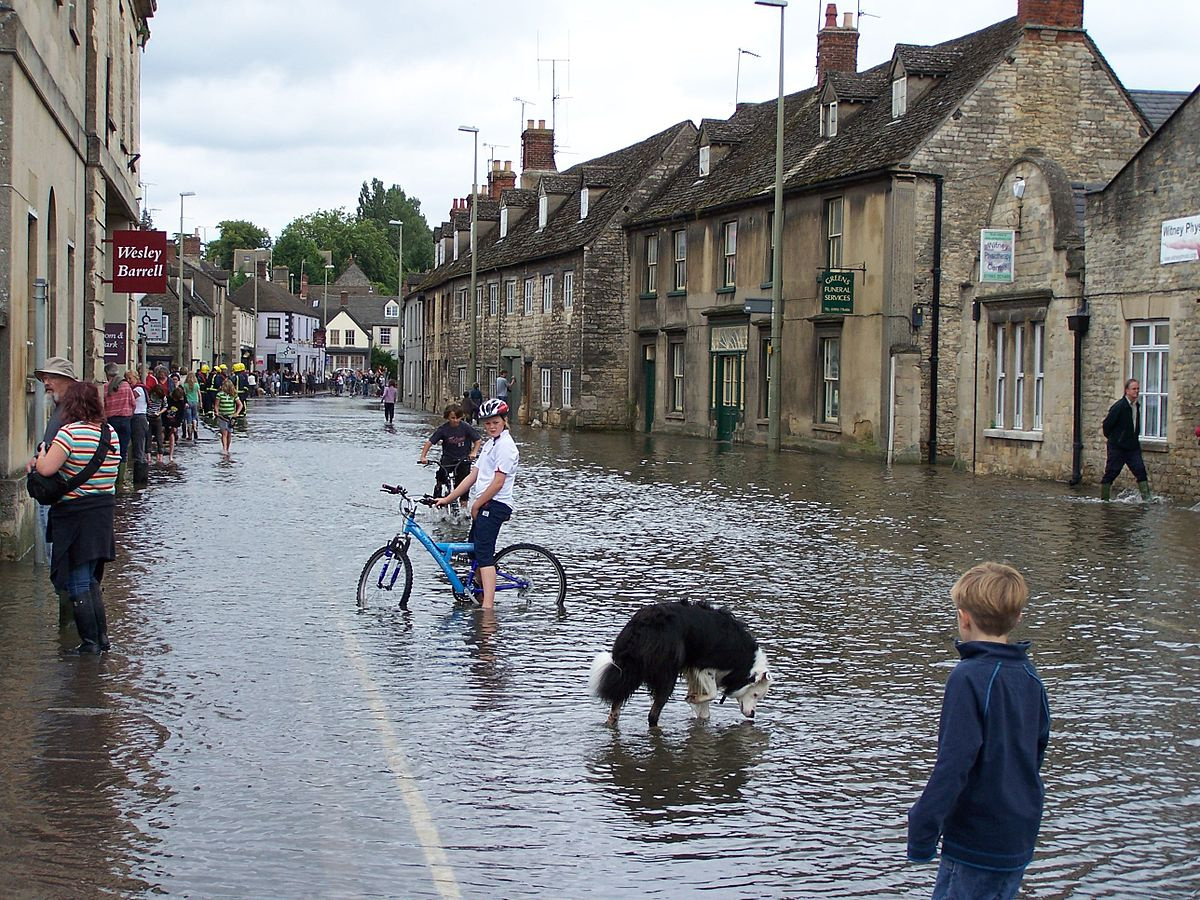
(508, 165)
(542, 124)
(529, 123)
(831, 15)
(848, 20)
(837, 48)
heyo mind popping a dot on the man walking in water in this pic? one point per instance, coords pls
(501, 392)
(1121, 428)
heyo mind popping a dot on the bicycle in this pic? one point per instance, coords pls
(444, 483)
(528, 572)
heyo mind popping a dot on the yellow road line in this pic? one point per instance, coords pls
(418, 812)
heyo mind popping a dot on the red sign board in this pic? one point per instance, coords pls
(318, 339)
(139, 262)
(114, 343)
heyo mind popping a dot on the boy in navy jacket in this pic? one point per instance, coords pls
(984, 798)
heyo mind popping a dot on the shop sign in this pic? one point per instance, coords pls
(1180, 240)
(139, 262)
(114, 342)
(997, 248)
(837, 292)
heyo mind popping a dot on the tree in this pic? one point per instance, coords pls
(384, 205)
(301, 254)
(346, 237)
(385, 358)
(236, 234)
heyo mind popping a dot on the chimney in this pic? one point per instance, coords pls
(191, 247)
(342, 298)
(279, 275)
(537, 152)
(303, 285)
(260, 268)
(172, 252)
(837, 48)
(1054, 13)
(501, 179)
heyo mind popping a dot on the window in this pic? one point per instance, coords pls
(529, 284)
(504, 221)
(385, 337)
(272, 328)
(456, 245)
(335, 336)
(510, 297)
(460, 302)
(566, 388)
(391, 311)
(491, 376)
(1039, 373)
(349, 341)
(479, 301)
(1001, 382)
(493, 298)
(770, 276)
(1018, 370)
(829, 115)
(679, 241)
(545, 388)
(729, 251)
(705, 160)
(547, 293)
(441, 253)
(650, 282)
(462, 381)
(543, 211)
(1148, 348)
(831, 376)
(583, 203)
(833, 233)
(764, 374)
(675, 359)
(899, 96)
(568, 290)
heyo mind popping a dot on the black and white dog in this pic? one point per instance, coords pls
(661, 642)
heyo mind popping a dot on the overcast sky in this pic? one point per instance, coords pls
(272, 109)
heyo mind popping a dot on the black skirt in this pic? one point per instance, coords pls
(81, 531)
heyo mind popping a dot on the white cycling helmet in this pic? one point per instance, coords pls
(493, 407)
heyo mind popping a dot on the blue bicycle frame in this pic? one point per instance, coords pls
(442, 552)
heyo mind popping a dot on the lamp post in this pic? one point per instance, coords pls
(474, 375)
(774, 367)
(399, 260)
(325, 315)
(179, 325)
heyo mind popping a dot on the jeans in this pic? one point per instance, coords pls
(958, 881)
(139, 435)
(123, 426)
(80, 579)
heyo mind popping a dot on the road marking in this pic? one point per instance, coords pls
(418, 812)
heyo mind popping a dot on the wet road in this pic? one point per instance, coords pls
(253, 735)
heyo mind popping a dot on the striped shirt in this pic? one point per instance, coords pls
(226, 405)
(79, 440)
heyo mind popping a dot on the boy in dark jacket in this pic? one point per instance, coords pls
(984, 798)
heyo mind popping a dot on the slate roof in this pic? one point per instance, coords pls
(518, 197)
(367, 311)
(871, 141)
(858, 87)
(1157, 106)
(565, 231)
(271, 298)
(922, 60)
(353, 280)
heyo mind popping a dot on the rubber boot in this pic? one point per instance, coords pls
(101, 617)
(85, 621)
(1106, 492)
(66, 610)
(1144, 487)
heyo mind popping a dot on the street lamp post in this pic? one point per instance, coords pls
(774, 367)
(474, 375)
(182, 320)
(325, 315)
(400, 295)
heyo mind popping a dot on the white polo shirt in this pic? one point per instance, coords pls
(499, 454)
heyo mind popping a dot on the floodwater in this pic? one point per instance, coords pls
(253, 735)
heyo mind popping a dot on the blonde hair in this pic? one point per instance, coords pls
(994, 594)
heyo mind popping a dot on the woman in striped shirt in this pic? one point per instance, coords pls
(81, 523)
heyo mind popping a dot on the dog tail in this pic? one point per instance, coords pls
(609, 682)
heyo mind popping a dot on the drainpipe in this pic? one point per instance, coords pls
(936, 313)
(1077, 323)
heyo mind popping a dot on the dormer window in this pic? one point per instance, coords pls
(391, 311)
(705, 160)
(441, 253)
(583, 203)
(829, 119)
(456, 245)
(503, 221)
(899, 96)
(543, 211)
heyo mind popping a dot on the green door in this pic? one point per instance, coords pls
(648, 381)
(727, 392)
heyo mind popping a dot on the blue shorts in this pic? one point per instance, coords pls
(486, 528)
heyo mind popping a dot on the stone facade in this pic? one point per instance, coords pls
(69, 147)
(1129, 289)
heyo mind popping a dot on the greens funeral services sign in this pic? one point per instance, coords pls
(1180, 240)
(996, 251)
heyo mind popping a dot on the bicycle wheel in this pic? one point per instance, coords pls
(530, 575)
(386, 579)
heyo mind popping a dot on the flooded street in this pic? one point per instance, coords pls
(253, 735)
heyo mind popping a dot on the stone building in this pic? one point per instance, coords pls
(69, 150)
(550, 302)
(890, 176)
(1143, 305)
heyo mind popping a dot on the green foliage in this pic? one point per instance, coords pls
(385, 358)
(237, 279)
(236, 234)
(385, 205)
(302, 255)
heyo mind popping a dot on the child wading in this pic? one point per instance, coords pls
(984, 798)
(228, 407)
(491, 485)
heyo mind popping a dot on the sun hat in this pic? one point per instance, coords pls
(56, 365)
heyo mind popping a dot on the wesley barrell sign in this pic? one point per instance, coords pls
(139, 262)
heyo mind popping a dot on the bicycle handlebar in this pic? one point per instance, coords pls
(392, 489)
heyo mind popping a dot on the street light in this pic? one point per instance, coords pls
(181, 322)
(474, 262)
(774, 368)
(325, 315)
(399, 260)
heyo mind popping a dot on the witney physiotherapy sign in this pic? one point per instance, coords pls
(1180, 240)
(996, 251)
(139, 262)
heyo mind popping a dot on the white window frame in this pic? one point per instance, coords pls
(391, 311)
(705, 160)
(278, 325)
(335, 336)
(545, 398)
(385, 337)
(568, 290)
(543, 211)
(493, 298)
(1149, 363)
(679, 247)
(529, 288)
(547, 293)
(677, 359)
(583, 203)
(462, 381)
(829, 119)
(566, 388)
(899, 96)
(479, 301)
(1018, 370)
(1039, 373)
(456, 244)
(503, 221)
(460, 298)
(831, 378)
(835, 227)
(510, 297)
(729, 253)
(650, 271)
(1001, 384)
(349, 337)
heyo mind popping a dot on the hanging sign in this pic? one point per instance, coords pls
(114, 342)
(139, 262)
(837, 292)
(996, 251)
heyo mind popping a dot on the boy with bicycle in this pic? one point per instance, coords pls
(460, 444)
(491, 483)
